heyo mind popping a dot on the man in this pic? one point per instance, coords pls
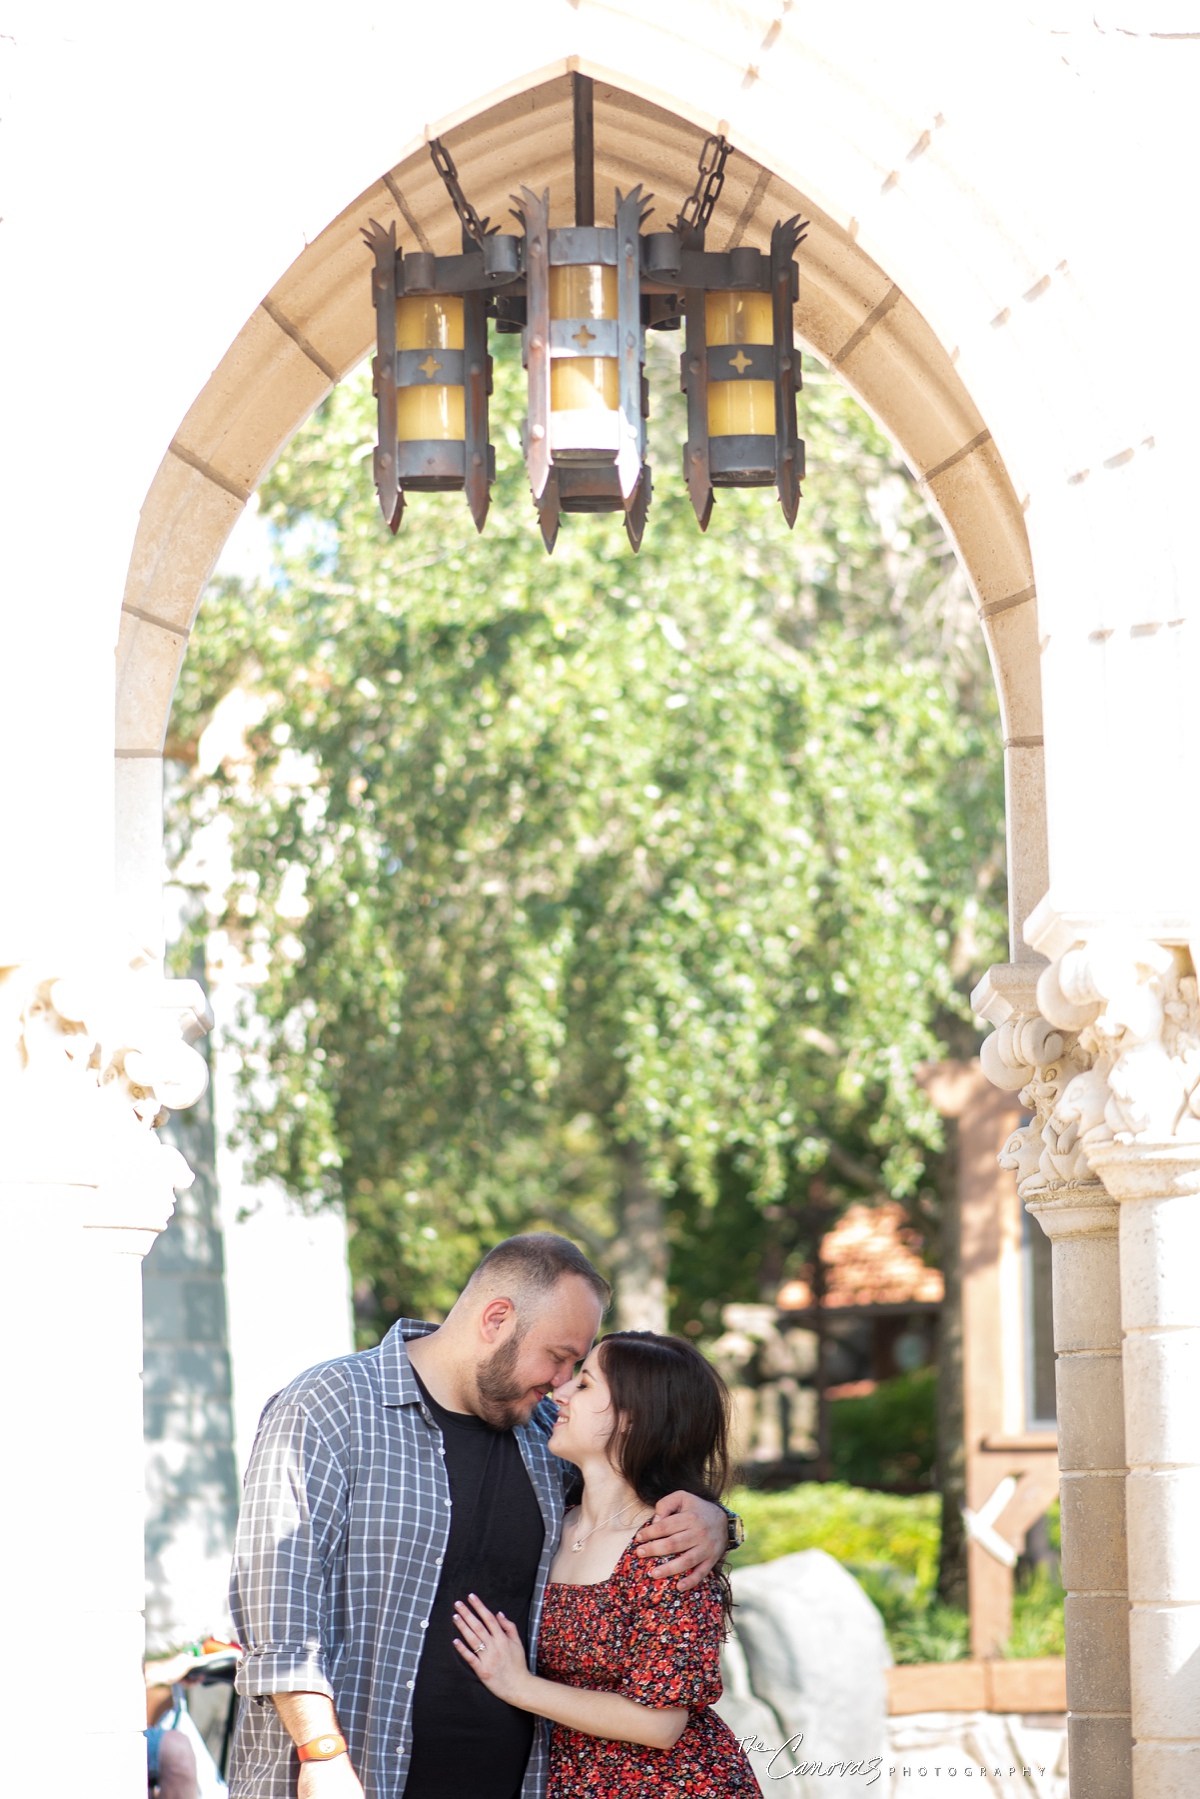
(386, 1485)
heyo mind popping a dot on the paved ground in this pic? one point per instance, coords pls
(935, 1754)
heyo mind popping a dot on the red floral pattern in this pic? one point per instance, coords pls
(644, 1639)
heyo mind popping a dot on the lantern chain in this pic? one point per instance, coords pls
(698, 208)
(443, 162)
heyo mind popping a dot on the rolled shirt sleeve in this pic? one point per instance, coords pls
(292, 1521)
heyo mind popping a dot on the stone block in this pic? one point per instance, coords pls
(204, 1310)
(1016, 653)
(1160, 1252)
(1163, 1512)
(173, 1369)
(199, 1422)
(1087, 1293)
(839, 289)
(260, 393)
(149, 657)
(816, 1653)
(184, 521)
(1167, 1770)
(1164, 1656)
(901, 370)
(1098, 1663)
(1025, 819)
(188, 1245)
(1091, 1420)
(1093, 1533)
(326, 294)
(1162, 1375)
(163, 1315)
(138, 845)
(1099, 1751)
(975, 499)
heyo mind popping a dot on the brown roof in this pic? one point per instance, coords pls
(872, 1256)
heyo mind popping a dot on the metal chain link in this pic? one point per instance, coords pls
(700, 204)
(443, 162)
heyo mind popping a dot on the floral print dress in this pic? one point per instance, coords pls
(644, 1639)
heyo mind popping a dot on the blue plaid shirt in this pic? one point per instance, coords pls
(344, 1524)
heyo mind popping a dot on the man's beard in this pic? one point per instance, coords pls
(498, 1394)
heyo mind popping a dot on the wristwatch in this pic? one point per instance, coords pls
(322, 1749)
(735, 1529)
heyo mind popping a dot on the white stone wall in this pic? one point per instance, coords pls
(191, 1472)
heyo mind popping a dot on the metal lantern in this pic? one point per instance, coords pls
(583, 296)
(583, 343)
(741, 372)
(433, 374)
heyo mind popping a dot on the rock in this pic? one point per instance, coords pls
(751, 1719)
(815, 1651)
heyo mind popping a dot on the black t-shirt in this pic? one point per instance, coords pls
(467, 1744)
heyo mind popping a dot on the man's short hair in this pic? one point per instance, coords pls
(535, 1263)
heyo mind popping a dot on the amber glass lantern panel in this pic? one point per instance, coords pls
(739, 408)
(437, 412)
(584, 383)
(429, 322)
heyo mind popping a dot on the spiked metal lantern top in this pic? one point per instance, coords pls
(583, 297)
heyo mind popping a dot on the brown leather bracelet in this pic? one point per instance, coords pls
(322, 1749)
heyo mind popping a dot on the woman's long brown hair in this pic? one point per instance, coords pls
(671, 1421)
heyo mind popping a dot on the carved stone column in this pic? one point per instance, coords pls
(1136, 1115)
(88, 1066)
(1027, 1055)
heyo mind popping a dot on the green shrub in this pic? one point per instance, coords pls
(890, 1543)
(857, 1527)
(889, 1437)
(1037, 1617)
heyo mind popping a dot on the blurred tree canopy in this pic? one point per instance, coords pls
(618, 895)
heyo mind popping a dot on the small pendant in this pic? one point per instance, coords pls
(576, 1546)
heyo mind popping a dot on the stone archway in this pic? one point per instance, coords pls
(316, 324)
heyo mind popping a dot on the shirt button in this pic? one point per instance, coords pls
(408, 1684)
(446, 1503)
(424, 1623)
(438, 1563)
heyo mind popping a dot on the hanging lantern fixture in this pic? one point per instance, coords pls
(582, 297)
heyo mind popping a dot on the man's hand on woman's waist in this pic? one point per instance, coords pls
(694, 1532)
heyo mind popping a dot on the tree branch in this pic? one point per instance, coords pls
(861, 1173)
(596, 1245)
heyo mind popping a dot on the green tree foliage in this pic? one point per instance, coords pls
(626, 882)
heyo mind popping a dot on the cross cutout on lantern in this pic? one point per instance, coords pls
(583, 337)
(429, 367)
(740, 362)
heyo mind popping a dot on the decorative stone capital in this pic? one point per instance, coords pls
(1073, 1209)
(1105, 1052)
(89, 1065)
(1142, 1170)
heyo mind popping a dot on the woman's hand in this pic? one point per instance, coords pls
(492, 1644)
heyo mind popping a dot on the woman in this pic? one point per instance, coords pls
(628, 1667)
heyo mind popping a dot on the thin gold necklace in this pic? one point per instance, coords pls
(580, 1541)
